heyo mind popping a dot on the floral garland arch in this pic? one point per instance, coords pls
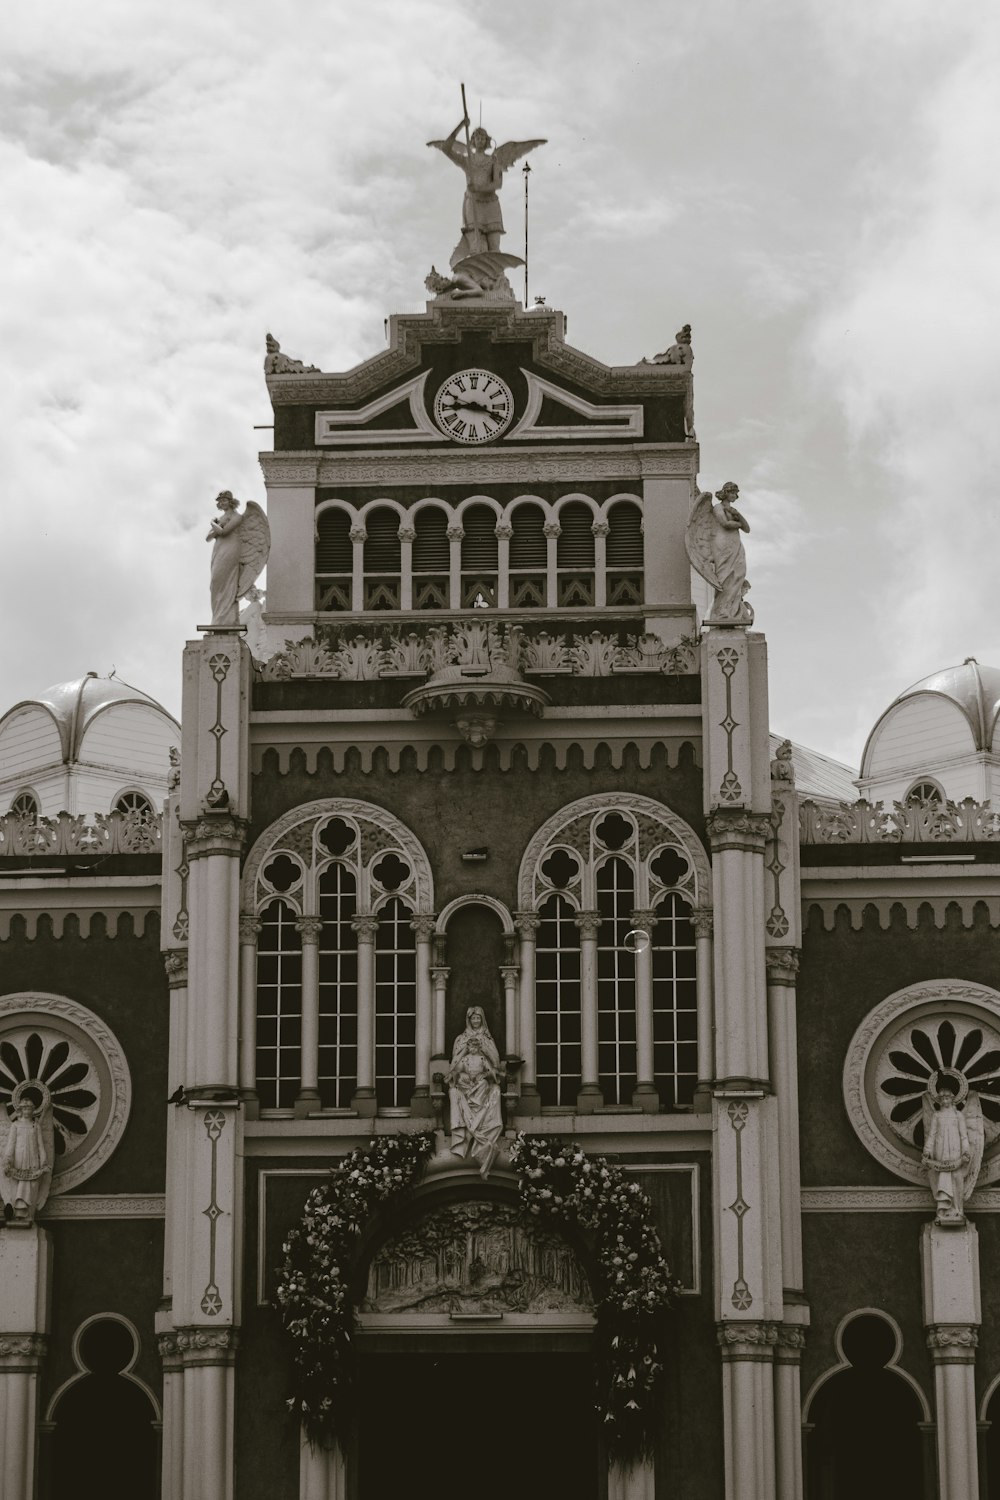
(557, 1182)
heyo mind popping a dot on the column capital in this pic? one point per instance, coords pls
(703, 920)
(790, 1343)
(250, 928)
(423, 927)
(953, 1343)
(175, 961)
(782, 965)
(747, 1340)
(366, 926)
(22, 1351)
(527, 924)
(509, 973)
(645, 920)
(738, 830)
(214, 833)
(198, 1346)
(588, 923)
(310, 929)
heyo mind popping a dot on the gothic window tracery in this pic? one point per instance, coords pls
(330, 893)
(613, 881)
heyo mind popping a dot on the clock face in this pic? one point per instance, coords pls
(473, 406)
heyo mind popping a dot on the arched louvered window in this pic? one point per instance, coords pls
(279, 1006)
(616, 1016)
(334, 559)
(431, 559)
(575, 555)
(528, 558)
(558, 1004)
(25, 805)
(624, 554)
(675, 1003)
(395, 1006)
(338, 987)
(134, 802)
(479, 557)
(382, 563)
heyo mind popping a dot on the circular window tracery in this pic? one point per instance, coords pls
(57, 1053)
(946, 1029)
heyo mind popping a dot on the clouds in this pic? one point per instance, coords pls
(814, 193)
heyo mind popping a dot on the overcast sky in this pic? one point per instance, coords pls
(813, 186)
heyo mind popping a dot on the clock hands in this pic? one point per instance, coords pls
(468, 398)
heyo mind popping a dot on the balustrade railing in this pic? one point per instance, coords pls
(68, 833)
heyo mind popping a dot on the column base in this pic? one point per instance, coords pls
(364, 1103)
(588, 1099)
(530, 1100)
(645, 1096)
(421, 1103)
(701, 1104)
(307, 1101)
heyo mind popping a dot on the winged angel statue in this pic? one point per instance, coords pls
(954, 1138)
(716, 551)
(242, 542)
(482, 221)
(27, 1152)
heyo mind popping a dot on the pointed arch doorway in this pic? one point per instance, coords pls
(476, 1371)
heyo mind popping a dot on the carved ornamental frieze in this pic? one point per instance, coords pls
(478, 1257)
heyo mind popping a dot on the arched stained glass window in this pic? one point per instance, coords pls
(279, 1006)
(338, 987)
(557, 1004)
(616, 1017)
(395, 1006)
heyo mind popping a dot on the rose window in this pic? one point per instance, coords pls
(916, 1056)
(944, 1029)
(61, 1056)
(50, 1072)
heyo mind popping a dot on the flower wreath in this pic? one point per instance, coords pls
(557, 1182)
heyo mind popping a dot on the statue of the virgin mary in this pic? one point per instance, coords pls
(474, 1089)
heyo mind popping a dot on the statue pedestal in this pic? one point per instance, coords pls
(25, 1288)
(950, 1258)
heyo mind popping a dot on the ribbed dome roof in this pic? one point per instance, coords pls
(76, 704)
(975, 689)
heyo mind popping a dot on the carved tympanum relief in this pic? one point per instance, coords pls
(922, 1088)
(476, 1258)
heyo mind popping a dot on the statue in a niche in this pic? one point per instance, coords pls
(474, 1089)
(27, 1152)
(242, 542)
(954, 1138)
(716, 551)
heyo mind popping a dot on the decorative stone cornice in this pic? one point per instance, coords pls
(310, 929)
(703, 921)
(215, 833)
(423, 927)
(866, 822)
(738, 830)
(575, 464)
(197, 1346)
(753, 1341)
(175, 961)
(952, 1343)
(588, 922)
(782, 965)
(22, 1351)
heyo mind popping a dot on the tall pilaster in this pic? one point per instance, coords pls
(527, 924)
(746, 1182)
(198, 1340)
(950, 1257)
(25, 1297)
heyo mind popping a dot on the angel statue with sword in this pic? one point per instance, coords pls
(482, 221)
